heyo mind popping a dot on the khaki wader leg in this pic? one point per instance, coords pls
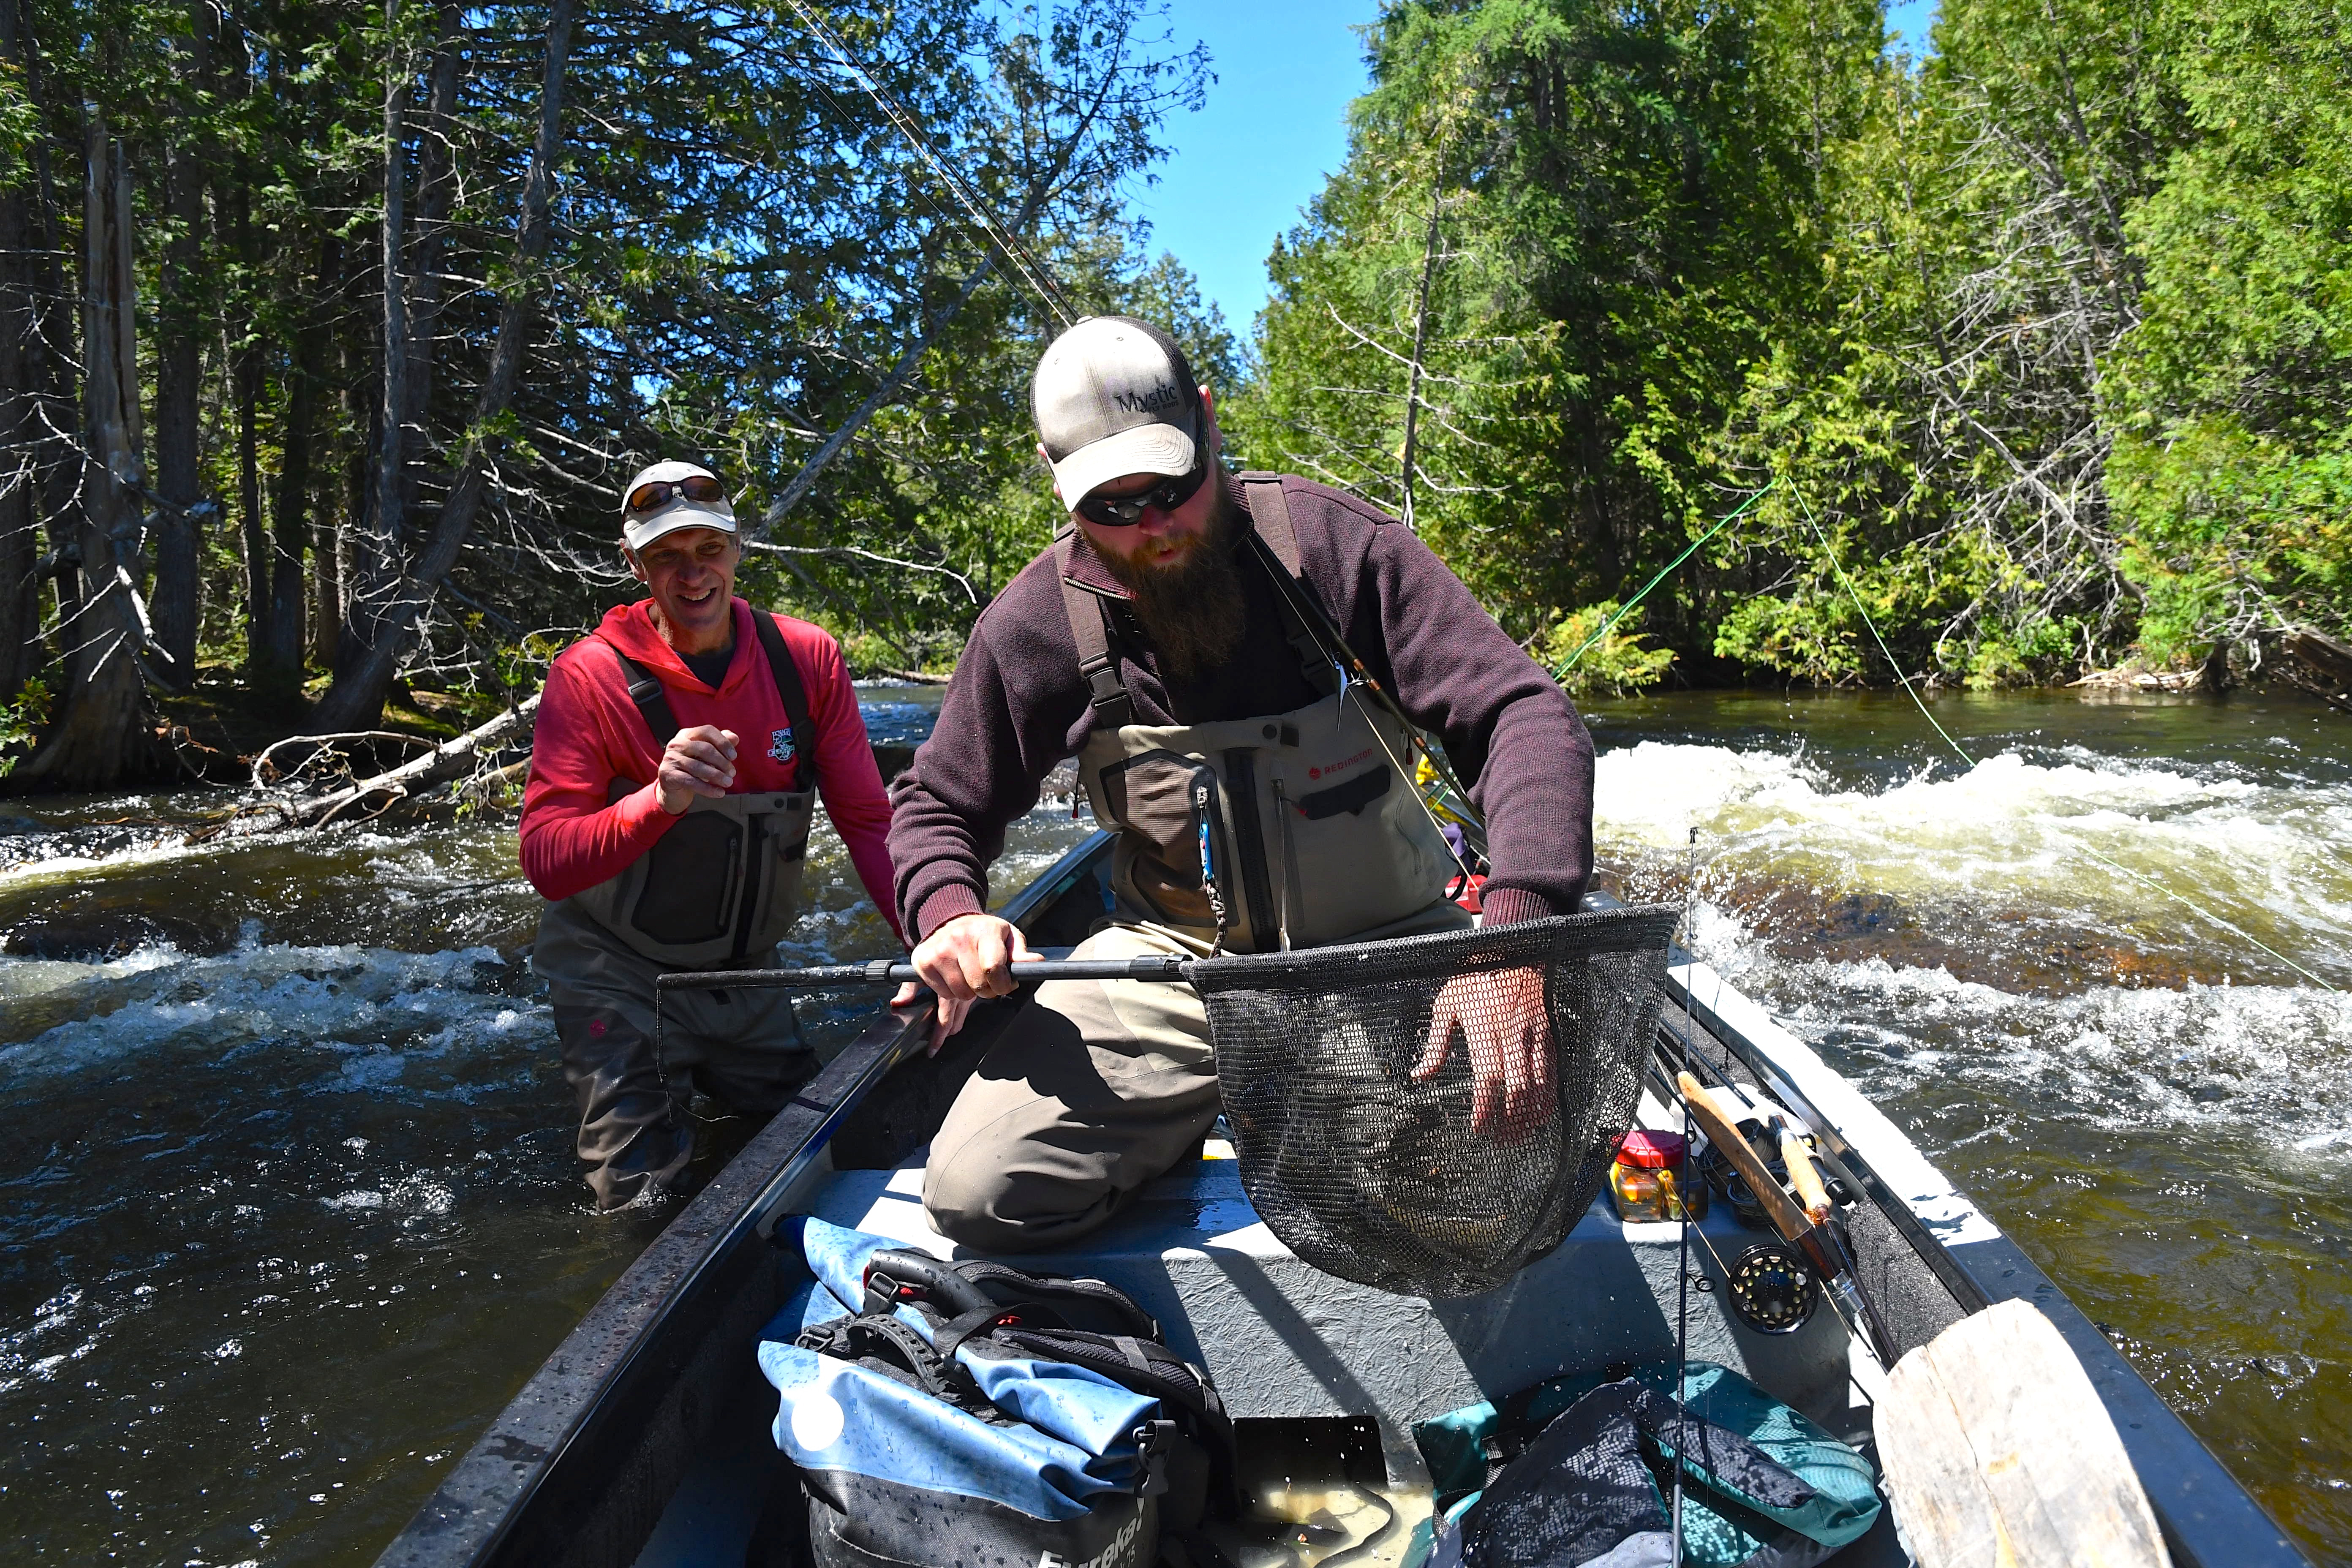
(636, 1128)
(1097, 1087)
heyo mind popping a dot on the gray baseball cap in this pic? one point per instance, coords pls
(1113, 396)
(640, 529)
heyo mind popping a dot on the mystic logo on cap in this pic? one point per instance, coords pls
(1164, 396)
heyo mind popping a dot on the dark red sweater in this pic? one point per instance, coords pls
(1017, 706)
(589, 733)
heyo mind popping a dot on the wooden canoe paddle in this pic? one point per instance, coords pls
(1818, 1242)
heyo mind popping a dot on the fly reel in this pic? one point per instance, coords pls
(1772, 1289)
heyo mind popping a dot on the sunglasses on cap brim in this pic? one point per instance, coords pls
(656, 494)
(1123, 511)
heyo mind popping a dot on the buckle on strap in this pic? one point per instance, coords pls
(1154, 1442)
(1104, 683)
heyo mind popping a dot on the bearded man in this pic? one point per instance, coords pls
(1177, 641)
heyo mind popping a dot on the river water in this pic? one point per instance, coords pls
(290, 1209)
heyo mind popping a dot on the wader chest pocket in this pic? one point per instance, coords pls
(693, 874)
(1350, 797)
(1153, 798)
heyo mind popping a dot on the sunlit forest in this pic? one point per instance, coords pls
(332, 331)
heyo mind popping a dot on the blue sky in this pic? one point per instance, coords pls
(1276, 124)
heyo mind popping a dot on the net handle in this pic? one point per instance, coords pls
(1167, 968)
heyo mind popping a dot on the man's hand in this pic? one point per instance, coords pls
(970, 957)
(697, 762)
(1501, 1015)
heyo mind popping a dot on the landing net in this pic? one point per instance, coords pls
(1368, 1174)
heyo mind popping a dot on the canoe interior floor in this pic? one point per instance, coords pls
(1310, 1363)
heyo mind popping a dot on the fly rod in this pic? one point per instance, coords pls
(1816, 1241)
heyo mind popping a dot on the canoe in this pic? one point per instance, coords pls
(645, 1439)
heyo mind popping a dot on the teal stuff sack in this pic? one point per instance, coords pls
(1763, 1486)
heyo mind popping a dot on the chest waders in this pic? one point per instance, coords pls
(1285, 830)
(723, 884)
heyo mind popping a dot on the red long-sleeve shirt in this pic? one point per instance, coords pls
(589, 733)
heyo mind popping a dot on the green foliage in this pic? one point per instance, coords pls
(2046, 338)
(1620, 196)
(2231, 401)
(2052, 331)
(1596, 647)
(21, 719)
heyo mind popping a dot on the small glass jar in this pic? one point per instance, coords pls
(1633, 1179)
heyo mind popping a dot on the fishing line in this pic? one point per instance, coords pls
(1623, 609)
(1682, 1207)
(1962, 752)
(1031, 268)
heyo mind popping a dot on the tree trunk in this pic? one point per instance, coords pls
(1419, 347)
(245, 377)
(176, 594)
(436, 188)
(357, 698)
(20, 378)
(377, 555)
(102, 737)
(292, 505)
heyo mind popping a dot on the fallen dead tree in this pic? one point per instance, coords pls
(452, 761)
(482, 763)
(2320, 665)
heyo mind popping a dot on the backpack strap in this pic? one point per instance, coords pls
(1270, 516)
(883, 1336)
(1004, 1283)
(1113, 708)
(787, 672)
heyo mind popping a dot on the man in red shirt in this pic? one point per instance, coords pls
(678, 752)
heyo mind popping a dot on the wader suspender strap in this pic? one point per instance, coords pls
(1113, 708)
(1270, 518)
(653, 702)
(795, 696)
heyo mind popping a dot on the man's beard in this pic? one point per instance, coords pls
(1193, 610)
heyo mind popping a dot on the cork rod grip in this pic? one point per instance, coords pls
(1804, 1177)
(1787, 1218)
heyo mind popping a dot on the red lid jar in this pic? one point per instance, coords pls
(1648, 1150)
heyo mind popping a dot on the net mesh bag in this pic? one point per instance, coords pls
(1368, 1174)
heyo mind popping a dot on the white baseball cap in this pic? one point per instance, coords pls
(1113, 396)
(640, 529)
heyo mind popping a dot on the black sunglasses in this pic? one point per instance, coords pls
(656, 494)
(1122, 511)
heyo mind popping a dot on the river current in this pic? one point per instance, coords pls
(290, 1209)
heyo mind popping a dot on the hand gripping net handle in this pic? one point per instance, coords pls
(1371, 1174)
